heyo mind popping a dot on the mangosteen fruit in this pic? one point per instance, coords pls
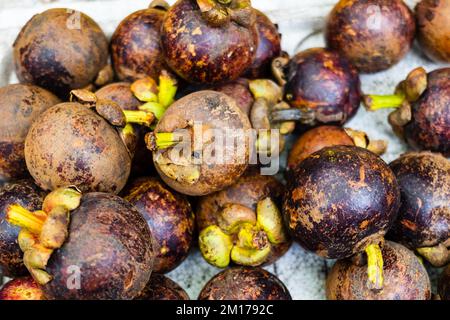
(170, 218)
(341, 201)
(269, 47)
(326, 136)
(373, 34)
(135, 45)
(422, 104)
(444, 284)
(423, 222)
(433, 28)
(29, 196)
(405, 278)
(24, 288)
(244, 283)
(322, 83)
(161, 287)
(60, 50)
(85, 247)
(202, 143)
(242, 223)
(240, 91)
(209, 41)
(20, 104)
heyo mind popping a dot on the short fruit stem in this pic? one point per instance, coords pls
(139, 117)
(153, 107)
(161, 140)
(293, 114)
(377, 102)
(374, 267)
(21, 217)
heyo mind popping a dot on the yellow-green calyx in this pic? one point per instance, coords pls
(438, 256)
(360, 139)
(243, 236)
(45, 230)
(374, 267)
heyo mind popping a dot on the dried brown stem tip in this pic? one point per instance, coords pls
(220, 12)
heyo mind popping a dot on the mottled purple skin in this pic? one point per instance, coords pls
(170, 218)
(120, 93)
(111, 244)
(20, 105)
(54, 52)
(135, 46)
(429, 128)
(339, 200)
(28, 195)
(70, 144)
(269, 47)
(243, 283)
(324, 82)
(444, 284)
(424, 215)
(200, 53)
(405, 278)
(372, 34)
(239, 91)
(162, 288)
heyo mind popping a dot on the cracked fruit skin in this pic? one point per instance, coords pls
(20, 105)
(28, 195)
(161, 287)
(339, 200)
(424, 215)
(200, 53)
(325, 82)
(444, 284)
(111, 244)
(433, 28)
(55, 53)
(24, 288)
(405, 278)
(373, 35)
(70, 144)
(135, 46)
(170, 218)
(243, 283)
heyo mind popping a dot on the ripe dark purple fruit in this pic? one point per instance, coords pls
(161, 287)
(209, 41)
(60, 50)
(373, 34)
(424, 217)
(243, 283)
(405, 278)
(341, 201)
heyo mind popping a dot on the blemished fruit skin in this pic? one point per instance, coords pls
(444, 284)
(120, 93)
(170, 218)
(243, 283)
(108, 255)
(324, 82)
(69, 144)
(135, 48)
(29, 196)
(424, 215)
(339, 200)
(20, 105)
(433, 28)
(405, 278)
(24, 288)
(200, 53)
(60, 50)
(372, 34)
(429, 128)
(161, 287)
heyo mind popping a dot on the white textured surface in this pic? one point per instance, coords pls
(302, 272)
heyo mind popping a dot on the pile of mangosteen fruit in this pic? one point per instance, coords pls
(119, 157)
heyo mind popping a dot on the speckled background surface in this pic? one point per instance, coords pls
(303, 273)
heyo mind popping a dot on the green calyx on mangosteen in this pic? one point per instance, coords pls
(422, 103)
(405, 278)
(341, 201)
(28, 195)
(423, 223)
(161, 287)
(60, 50)
(242, 223)
(20, 104)
(373, 35)
(244, 283)
(170, 218)
(93, 246)
(24, 288)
